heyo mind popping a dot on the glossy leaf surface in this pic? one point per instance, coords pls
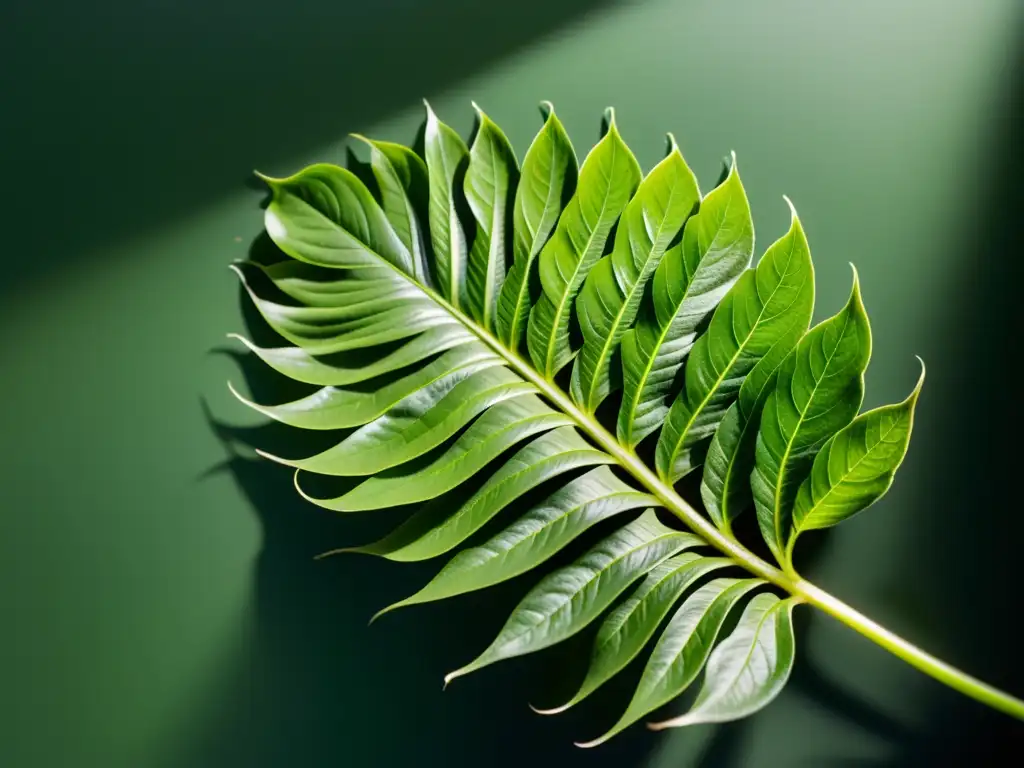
(819, 390)
(762, 316)
(611, 294)
(536, 536)
(490, 183)
(856, 466)
(682, 649)
(447, 156)
(749, 668)
(627, 629)
(716, 247)
(567, 600)
(548, 178)
(607, 180)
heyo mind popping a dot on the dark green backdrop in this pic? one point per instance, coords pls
(158, 598)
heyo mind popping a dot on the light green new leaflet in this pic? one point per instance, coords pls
(413, 345)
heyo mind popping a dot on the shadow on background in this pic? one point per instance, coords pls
(150, 110)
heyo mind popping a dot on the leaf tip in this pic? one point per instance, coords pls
(673, 146)
(431, 116)
(382, 611)
(302, 493)
(592, 743)
(272, 457)
(673, 723)
(547, 109)
(912, 398)
(270, 181)
(552, 711)
(609, 119)
(452, 675)
(245, 342)
(793, 217)
(332, 552)
(362, 138)
(240, 397)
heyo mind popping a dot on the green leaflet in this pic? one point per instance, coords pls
(856, 466)
(548, 176)
(331, 408)
(420, 422)
(682, 649)
(326, 216)
(297, 364)
(424, 536)
(628, 628)
(299, 280)
(534, 537)
(404, 188)
(497, 430)
(749, 668)
(610, 297)
(490, 179)
(567, 600)
(758, 318)
(447, 156)
(381, 313)
(717, 244)
(608, 178)
(819, 390)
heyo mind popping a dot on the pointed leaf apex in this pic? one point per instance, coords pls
(592, 743)
(249, 345)
(270, 181)
(431, 116)
(302, 493)
(673, 146)
(240, 397)
(792, 210)
(382, 611)
(855, 291)
(609, 117)
(547, 109)
(360, 137)
(333, 552)
(732, 154)
(552, 711)
(457, 673)
(912, 397)
(673, 723)
(272, 457)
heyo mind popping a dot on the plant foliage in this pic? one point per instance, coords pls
(589, 336)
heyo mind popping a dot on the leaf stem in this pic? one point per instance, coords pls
(910, 653)
(787, 579)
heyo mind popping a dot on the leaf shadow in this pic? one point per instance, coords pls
(312, 680)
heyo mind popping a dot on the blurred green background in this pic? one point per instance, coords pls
(158, 600)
